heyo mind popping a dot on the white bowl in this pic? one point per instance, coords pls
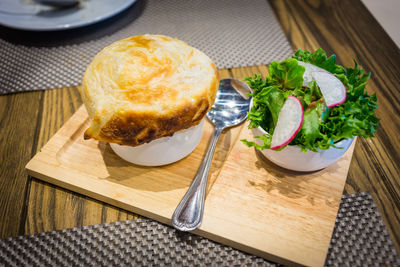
(164, 150)
(292, 158)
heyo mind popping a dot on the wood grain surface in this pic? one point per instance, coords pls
(347, 29)
(286, 207)
(28, 120)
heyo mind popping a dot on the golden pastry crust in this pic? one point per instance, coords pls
(146, 87)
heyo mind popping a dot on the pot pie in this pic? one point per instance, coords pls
(146, 87)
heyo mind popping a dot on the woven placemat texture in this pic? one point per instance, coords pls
(232, 33)
(360, 239)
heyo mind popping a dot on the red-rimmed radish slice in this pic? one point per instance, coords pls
(332, 88)
(309, 68)
(289, 122)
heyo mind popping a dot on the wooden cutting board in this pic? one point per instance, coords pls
(251, 204)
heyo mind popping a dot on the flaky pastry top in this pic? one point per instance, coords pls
(145, 87)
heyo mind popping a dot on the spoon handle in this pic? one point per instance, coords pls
(189, 213)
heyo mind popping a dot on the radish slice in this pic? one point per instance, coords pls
(289, 123)
(307, 76)
(332, 88)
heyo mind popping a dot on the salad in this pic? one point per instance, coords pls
(311, 102)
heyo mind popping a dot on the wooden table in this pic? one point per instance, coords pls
(346, 28)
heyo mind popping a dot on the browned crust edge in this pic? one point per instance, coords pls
(133, 128)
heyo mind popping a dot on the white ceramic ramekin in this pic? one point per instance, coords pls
(164, 150)
(292, 158)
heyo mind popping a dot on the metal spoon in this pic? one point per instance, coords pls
(58, 3)
(38, 7)
(230, 109)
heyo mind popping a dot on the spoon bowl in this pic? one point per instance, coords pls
(231, 104)
(230, 108)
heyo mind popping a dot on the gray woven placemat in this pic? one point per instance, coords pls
(234, 33)
(360, 239)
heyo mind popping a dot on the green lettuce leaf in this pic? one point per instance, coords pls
(322, 126)
(286, 75)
